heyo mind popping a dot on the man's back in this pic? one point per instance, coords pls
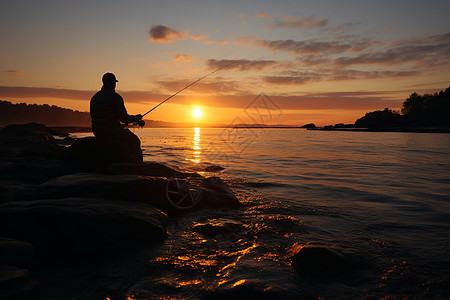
(107, 108)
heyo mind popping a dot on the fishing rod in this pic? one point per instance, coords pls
(194, 82)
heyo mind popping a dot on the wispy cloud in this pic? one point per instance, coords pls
(263, 15)
(163, 34)
(215, 43)
(15, 73)
(198, 37)
(306, 46)
(291, 22)
(426, 52)
(255, 65)
(216, 87)
(183, 58)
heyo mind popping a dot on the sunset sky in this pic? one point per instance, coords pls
(315, 61)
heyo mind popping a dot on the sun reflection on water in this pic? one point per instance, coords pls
(196, 147)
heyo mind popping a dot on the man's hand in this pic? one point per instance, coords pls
(138, 117)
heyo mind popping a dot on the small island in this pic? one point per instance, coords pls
(419, 113)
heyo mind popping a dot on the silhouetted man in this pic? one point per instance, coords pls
(108, 112)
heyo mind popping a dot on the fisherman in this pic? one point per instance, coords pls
(108, 112)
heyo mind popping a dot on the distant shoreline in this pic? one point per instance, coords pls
(73, 129)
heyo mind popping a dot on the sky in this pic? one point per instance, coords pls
(321, 62)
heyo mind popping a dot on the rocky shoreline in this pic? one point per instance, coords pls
(58, 207)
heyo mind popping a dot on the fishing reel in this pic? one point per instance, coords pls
(140, 123)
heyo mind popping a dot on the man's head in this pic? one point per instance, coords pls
(109, 79)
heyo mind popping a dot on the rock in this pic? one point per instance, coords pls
(123, 187)
(211, 228)
(170, 195)
(16, 283)
(79, 229)
(316, 262)
(217, 194)
(309, 125)
(15, 253)
(92, 154)
(35, 170)
(29, 140)
(213, 169)
(5, 194)
(15, 258)
(148, 169)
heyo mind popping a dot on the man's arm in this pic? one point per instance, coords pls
(122, 113)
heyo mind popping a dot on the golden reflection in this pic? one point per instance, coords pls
(196, 147)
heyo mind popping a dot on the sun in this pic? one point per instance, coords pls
(197, 113)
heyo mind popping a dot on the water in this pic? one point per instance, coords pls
(383, 196)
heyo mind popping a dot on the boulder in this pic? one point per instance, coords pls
(27, 140)
(309, 125)
(15, 258)
(74, 229)
(33, 169)
(15, 283)
(90, 153)
(169, 195)
(123, 187)
(217, 194)
(213, 169)
(5, 194)
(148, 169)
(15, 253)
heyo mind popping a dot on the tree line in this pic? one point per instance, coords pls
(417, 111)
(45, 114)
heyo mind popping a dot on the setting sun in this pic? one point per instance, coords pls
(197, 112)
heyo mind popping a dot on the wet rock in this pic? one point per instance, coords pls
(316, 262)
(148, 169)
(211, 228)
(15, 253)
(92, 154)
(123, 187)
(28, 140)
(15, 258)
(77, 229)
(213, 169)
(15, 283)
(217, 194)
(182, 197)
(35, 170)
(5, 194)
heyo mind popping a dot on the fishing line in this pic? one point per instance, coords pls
(194, 82)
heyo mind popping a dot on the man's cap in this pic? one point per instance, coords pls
(109, 78)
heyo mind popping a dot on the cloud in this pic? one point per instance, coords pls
(198, 37)
(429, 51)
(216, 87)
(263, 15)
(15, 73)
(215, 43)
(183, 58)
(163, 34)
(300, 47)
(344, 26)
(300, 23)
(246, 65)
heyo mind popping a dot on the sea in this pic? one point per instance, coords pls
(381, 196)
